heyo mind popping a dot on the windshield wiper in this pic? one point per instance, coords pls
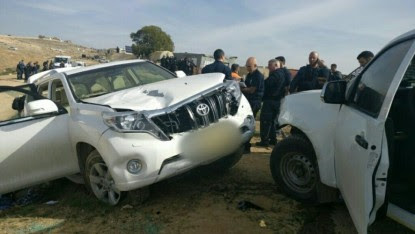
(95, 95)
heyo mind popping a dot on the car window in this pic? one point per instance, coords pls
(375, 81)
(409, 77)
(102, 81)
(12, 103)
(58, 94)
(43, 89)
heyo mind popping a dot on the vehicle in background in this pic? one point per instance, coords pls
(59, 59)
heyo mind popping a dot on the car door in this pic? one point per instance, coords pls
(361, 157)
(33, 148)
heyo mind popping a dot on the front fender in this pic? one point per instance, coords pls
(317, 120)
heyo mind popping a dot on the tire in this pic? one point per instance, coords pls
(294, 168)
(227, 162)
(99, 181)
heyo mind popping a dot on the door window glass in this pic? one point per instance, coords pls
(375, 81)
(58, 94)
(13, 102)
(43, 90)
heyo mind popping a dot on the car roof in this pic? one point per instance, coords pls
(403, 37)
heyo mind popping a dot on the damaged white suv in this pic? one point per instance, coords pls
(359, 140)
(122, 125)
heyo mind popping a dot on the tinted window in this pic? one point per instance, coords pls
(375, 81)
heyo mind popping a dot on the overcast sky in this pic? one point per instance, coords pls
(338, 29)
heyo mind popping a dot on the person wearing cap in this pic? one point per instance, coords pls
(218, 65)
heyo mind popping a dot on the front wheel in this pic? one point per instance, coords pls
(99, 180)
(294, 168)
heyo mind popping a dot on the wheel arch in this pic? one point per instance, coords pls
(83, 149)
(324, 153)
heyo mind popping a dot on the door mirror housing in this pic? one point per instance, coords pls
(180, 74)
(334, 92)
(40, 107)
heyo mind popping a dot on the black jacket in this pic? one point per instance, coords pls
(275, 85)
(218, 66)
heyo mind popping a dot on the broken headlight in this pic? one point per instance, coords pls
(233, 94)
(132, 122)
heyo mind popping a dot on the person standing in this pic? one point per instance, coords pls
(218, 65)
(28, 70)
(334, 74)
(20, 69)
(51, 65)
(45, 65)
(307, 77)
(274, 91)
(235, 72)
(287, 73)
(254, 90)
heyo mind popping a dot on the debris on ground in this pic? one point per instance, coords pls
(262, 224)
(246, 205)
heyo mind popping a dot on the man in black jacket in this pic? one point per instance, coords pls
(307, 77)
(273, 93)
(218, 65)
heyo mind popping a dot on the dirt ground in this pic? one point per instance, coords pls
(200, 201)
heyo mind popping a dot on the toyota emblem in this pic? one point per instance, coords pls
(202, 109)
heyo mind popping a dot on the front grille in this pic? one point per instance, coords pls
(186, 117)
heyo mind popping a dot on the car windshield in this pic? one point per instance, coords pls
(59, 60)
(111, 79)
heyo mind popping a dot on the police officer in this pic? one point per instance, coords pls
(20, 69)
(307, 77)
(218, 65)
(287, 73)
(254, 89)
(334, 74)
(273, 93)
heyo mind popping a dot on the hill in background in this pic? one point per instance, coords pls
(31, 49)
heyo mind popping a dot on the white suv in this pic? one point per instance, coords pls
(358, 140)
(123, 125)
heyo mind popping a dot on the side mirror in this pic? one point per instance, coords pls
(180, 74)
(39, 107)
(334, 92)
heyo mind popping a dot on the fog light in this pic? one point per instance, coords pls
(134, 166)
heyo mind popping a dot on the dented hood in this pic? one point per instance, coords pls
(160, 94)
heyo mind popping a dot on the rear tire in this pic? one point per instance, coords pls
(99, 180)
(294, 168)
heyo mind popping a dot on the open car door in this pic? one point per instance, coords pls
(361, 156)
(35, 144)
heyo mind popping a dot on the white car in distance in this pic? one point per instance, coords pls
(122, 125)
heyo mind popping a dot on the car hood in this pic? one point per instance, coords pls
(160, 94)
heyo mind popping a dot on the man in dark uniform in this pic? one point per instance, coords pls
(254, 89)
(273, 93)
(307, 77)
(20, 69)
(334, 74)
(287, 73)
(218, 65)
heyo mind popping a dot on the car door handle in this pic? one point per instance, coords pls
(361, 141)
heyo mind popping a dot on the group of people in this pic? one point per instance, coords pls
(24, 71)
(171, 63)
(266, 94)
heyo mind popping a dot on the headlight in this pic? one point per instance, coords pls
(232, 87)
(132, 122)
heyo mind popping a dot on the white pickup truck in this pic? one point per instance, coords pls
(359, 140)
